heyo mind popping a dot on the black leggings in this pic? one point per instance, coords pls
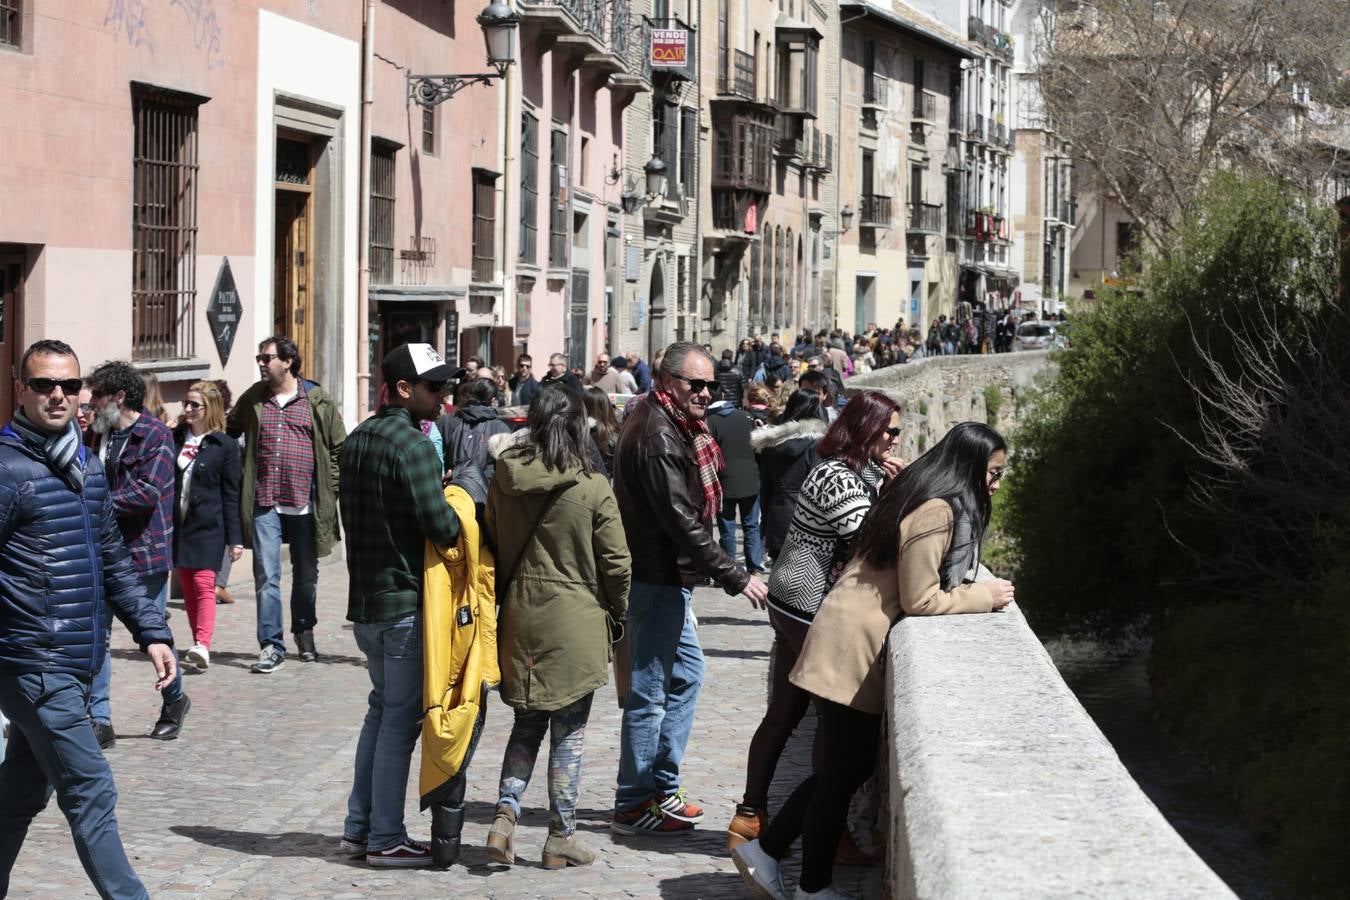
(818, 808)
(786, 708)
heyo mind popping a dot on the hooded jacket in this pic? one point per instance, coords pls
(63, 568)
(459, 646)
(786, 454)
(568, 595)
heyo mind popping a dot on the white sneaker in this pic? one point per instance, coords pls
(199, 656)
(760, 871)
(828, 893)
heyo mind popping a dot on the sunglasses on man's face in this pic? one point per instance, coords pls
(699, 385)
(265, 358)
(434, 386)
(69, 386)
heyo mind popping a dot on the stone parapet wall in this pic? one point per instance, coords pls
(1001, 785)
(938, 392)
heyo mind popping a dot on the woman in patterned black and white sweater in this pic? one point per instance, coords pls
(855, 458)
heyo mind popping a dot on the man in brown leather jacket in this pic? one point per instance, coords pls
(665, 479)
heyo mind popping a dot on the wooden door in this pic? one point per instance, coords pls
(11, 305)
(293, 270)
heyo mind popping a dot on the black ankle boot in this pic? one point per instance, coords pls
(447, 823)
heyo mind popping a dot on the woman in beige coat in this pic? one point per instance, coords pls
(941, 505)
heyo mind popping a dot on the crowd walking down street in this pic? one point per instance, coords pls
(479, 560)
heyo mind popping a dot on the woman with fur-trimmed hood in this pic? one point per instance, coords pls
(786, 452)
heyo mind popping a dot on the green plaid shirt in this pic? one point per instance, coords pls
(392, 503)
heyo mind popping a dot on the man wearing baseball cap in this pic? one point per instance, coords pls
(392, 503)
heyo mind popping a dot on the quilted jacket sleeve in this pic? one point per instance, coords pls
(122, 586)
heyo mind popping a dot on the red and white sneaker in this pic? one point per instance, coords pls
(408, 854)
(676, 806)
(648, 819)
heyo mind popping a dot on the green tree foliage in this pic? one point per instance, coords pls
(1102, 505)
(1192, 465)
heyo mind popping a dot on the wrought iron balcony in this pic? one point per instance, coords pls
(874, 209)
(925, 218)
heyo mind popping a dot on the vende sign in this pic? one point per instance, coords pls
(670, 48)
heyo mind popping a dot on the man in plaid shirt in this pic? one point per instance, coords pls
(288, 492)
(392, 504)
(137, 453)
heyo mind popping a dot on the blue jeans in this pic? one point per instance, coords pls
(100, 691)
(270, 529)
(384, 751)
(51, 746)
(726, 525)
(667, 675)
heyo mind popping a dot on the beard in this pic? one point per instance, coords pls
(104, 420)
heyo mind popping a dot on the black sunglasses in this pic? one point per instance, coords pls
(434, 386)
(893, 431)
(699, 385)
(265, 358)
(996, 474)
(192, 404)
(69, 386)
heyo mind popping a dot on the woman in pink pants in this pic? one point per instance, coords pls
(206, 511)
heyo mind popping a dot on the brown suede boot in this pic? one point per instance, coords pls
(561, 852)
(500, 846)
(850, 854)
(746, 825)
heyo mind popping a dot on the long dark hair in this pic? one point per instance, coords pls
(850, 436)
(955, 469)
(558, 431)
(803, 405)
(600, 408)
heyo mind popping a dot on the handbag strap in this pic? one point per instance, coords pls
(504, 584)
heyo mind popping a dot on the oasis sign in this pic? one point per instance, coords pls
(670, 48)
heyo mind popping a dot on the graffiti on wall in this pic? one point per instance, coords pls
(205, 25)
(129, 16)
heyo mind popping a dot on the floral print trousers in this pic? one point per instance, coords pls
(567, 731)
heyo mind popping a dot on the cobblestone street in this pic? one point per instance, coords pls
(250, 801)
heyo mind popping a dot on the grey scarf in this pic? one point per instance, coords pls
(963, 556)
(62, 449)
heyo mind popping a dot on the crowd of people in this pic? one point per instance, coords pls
(484, 558)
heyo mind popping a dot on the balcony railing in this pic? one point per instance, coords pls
(790, 138)
(990, 38)
(955, 218)
(736, 74)
(876, 90)
(925, 218)
(977, 132)
(874, 209)
(607, 21)
(925, 106)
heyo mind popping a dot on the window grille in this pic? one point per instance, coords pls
(557, 242)
(529, 187)
(163, 224)
(11, 14)
(381, 213)
(484, 225)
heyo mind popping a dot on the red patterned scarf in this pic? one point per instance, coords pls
(707, 454)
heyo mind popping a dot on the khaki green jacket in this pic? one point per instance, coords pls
(570, 587)
(329, 433)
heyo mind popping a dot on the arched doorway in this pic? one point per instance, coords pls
(656, 310)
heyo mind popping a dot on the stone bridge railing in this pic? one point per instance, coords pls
(1002, 786)
(936, 393)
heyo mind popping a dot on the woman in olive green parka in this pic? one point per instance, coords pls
(563, 572)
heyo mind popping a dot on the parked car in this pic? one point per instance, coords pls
(1034, 336)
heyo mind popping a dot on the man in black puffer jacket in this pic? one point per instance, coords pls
(63, 566)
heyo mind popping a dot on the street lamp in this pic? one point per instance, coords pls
(654, 177)
(845, 219)
(500, 25)
(655, 170)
